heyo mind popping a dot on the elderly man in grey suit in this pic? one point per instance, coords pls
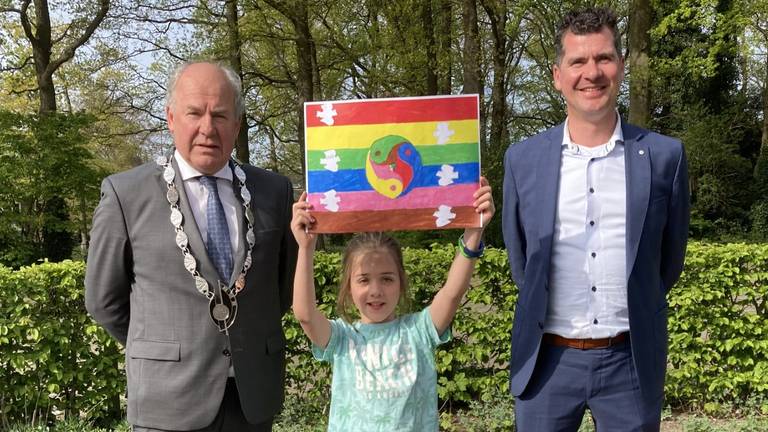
(595, 221)
(190, 268)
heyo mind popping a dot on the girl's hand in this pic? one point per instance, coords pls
(484, 202)
(302, 222)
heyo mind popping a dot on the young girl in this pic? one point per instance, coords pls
(384, 375)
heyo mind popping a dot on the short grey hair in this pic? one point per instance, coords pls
(587, 21)
(232, 78)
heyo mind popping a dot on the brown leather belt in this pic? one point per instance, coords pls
(584, 344)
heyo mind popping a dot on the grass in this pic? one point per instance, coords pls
(496, 415)
(681, 423)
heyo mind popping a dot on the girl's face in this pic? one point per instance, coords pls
(375, 286)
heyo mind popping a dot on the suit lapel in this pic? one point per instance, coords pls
(548, 175)
(637, 163)
(196, 244)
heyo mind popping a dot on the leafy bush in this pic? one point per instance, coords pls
(54, 359)
(718, 326)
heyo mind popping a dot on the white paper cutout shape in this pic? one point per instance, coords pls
(443, 133)
(330, 201)
(327, 114)
(331, 161)
(447, 175)
(444, 215)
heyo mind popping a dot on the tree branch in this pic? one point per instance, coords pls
(69, 51)
(27, 62)
(25, 22)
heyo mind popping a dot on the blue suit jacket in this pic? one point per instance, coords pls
(656, 230)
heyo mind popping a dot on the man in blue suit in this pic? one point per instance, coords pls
(595, 221)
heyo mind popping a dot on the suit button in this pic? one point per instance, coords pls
(541, 325)
(226, 352)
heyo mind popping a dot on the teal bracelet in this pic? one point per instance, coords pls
(469, 253)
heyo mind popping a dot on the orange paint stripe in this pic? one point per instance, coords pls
(391, 220)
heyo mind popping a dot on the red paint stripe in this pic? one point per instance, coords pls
(455, 196)
(396, 110)
(391, 220)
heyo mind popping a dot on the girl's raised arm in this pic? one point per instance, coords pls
(315, 324)
(447, 300)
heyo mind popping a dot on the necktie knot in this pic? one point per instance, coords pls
(210, 184)
(218, 243)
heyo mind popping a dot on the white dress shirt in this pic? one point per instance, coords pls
(588, 288)
(198, 199)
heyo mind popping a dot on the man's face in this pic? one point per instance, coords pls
(202, 117)
(589, 75)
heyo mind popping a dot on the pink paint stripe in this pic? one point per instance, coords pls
(429, 197)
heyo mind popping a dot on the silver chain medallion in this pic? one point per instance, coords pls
(223, 307)
(222, 304)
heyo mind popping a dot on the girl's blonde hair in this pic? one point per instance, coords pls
(361, 245)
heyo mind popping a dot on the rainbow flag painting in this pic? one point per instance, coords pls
(393, 164)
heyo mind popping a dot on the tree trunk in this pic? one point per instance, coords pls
(444, 30)
(639, 62)
(41, 51)
(304, 79)
(498, 18)
(761, 167)
(274, 163)
(298, 13)
(38, 33)
(242, 151)
(470, 60)
(428, 28)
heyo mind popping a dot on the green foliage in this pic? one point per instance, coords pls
(496, 414)
(44, 166)
(759, 218)
(718, 326)
(54, 358)
(72, 424)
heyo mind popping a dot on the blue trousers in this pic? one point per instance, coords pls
(567, 381)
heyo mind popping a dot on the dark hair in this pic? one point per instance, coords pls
(586, 21)
(359, 246)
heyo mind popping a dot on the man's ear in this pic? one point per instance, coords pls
(621, 66)
(169, 117)
(237, 126)
(556, 77)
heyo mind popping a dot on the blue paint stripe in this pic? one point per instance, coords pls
(354, 180)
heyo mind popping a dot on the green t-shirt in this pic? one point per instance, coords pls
(384, 375)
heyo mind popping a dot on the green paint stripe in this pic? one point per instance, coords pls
(430, 155)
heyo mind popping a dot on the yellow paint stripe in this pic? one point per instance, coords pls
(362, 136)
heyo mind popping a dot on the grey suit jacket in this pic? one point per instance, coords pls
(176, 360)
(656, 231)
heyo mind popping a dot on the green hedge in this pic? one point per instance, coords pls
(54, 359)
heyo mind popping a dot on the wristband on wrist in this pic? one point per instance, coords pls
(469, 253)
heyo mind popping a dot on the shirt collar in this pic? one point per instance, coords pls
(617, 137)
(188, 172)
